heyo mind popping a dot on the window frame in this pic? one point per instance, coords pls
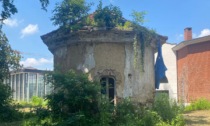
(107, 87)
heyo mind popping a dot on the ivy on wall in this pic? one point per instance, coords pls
(143, 38)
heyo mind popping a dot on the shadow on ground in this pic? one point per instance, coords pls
(197, 118)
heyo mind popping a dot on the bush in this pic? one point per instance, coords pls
(38, 101)
(200, 104)
(76, 101)
(168, 109)
(7, 111)
(129, 114)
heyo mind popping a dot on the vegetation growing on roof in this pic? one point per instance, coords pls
(73, 15)
(109, 16)
(69, 14)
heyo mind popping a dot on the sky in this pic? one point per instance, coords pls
(166, 17)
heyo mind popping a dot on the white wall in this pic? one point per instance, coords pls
(169, 58)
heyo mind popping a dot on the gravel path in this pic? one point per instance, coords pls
(198, 118)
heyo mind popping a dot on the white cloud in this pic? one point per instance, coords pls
(11, 22)
(204, 32)
(37, 63)
(29, 30)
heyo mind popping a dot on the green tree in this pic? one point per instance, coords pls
(69, 13)
(109, 16)
(138, 17)
(9, 58)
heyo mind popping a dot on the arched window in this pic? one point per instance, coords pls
(108, 88)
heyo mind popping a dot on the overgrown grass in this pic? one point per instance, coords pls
(200, 104)
(34, 102)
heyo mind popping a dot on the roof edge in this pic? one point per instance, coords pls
(190, 42)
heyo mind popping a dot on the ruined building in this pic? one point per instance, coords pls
(107, 56)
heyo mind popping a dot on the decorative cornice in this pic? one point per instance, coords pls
(58, 38)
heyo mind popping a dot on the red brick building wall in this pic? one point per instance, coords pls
(193, 67)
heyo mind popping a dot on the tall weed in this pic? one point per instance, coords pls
(168, 109)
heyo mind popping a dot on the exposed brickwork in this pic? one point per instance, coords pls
(193, 67)
(187, 34)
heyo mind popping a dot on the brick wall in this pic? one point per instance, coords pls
(193, 67)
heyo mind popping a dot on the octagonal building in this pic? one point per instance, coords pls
(108, 56)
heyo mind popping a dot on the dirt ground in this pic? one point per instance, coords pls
(198, 118)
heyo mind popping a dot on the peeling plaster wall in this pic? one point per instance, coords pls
(106, 53)
(89, 60)
(112, 59)
(139, 85)
(59, 55)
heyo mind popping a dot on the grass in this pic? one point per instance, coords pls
(200, 104)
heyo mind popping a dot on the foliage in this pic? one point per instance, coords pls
(138, 17)
(133, 115)
(126, 26)
(169, 110)
(89, 21)
(9, 58)
(109, 16)
(36, 122)
(200, 104)
(5, 95)
(37, 101)
(8, 9)
(75, 99)
(7, 111)
(143, 37)
(44, 4)
(69, 13)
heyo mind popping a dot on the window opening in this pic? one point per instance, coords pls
(108, 88)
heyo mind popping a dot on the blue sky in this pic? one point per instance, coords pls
(167, 17)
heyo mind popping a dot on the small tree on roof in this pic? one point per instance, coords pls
(68, 13)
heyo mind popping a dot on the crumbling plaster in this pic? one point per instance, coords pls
(139, 85)
(106, 53)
